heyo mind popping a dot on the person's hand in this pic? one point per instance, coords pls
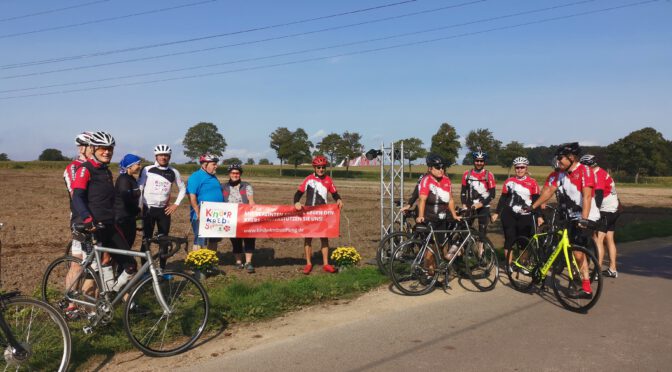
(405, 207)
(298, 206)
(457, 218)
(339, 202)
(420, 219)
(540, 221)
(170, 209)
(90, 226)
(493, 217)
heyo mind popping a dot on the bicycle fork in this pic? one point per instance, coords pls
(18, 351)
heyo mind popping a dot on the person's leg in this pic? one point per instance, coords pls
(148, 222)
(198, 242)
(611, 246)
(237, 244)
(250, 245)
(324, 242)
(598, 238)
(308, 251)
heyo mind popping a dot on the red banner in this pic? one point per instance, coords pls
(269, 221)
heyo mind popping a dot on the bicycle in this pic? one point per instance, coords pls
(416, 264)
(165, 312)
(533, 259)
(33, 335)
(392, 240)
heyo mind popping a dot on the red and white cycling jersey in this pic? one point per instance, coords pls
(478, 186)
(69, 173)
(570, 190)
(438, 196)
(603, 181)
(317, 189)
(520, 191)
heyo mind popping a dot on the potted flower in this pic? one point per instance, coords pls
(202, 261)
(345, 257)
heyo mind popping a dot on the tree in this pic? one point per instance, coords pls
(350, 147)
(280, 139)
(329, 146)
(484, 139)
(51, 155)
(249, 161)
(541, 155)
(413, 150)
(511, 151)
(642, 152)
(4, 157)
(230, 161)
(202, 138)
(445, 143)
(264, 161)
(298, 148)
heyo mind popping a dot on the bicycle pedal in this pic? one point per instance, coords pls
(87, 330)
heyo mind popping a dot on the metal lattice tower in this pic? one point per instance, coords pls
(391, 187)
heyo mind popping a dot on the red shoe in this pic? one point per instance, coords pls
(586, 286)
(328, 268)
(307, 269)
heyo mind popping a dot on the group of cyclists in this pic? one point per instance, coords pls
(585, 193)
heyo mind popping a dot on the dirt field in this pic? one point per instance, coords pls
(35, 212)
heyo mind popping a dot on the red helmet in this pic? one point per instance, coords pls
(207, 158)
(320, 160)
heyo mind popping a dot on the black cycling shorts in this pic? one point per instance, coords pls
(607, 221)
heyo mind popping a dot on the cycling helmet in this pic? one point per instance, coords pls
(206, 158)
(101, 139)
(434, 160)
(83, 139)
(521, 160)
(571, 148)
(588, 160)
(162, 150)
(235, 166)
(320, 160)
(479, 154)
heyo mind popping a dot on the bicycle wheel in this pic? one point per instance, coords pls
(414, 271)
(568, 290)
(41, 331)
(480, 263)
(386, 247)
(159, 334)
(62, 283)
(521, 263)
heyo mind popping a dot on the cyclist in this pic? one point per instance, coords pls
(202, 186)
(518, 194)
(478, 190)
(237, 191)
(127, 201)
(156, 183)
(83, 153)
(607, 200)
(316, 187)
(93, 199)
(575, 183)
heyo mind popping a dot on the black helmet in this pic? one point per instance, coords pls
(235, 166)
(434, 160)
(571, 148)
(479, 154)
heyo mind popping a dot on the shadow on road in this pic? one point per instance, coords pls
(652, 263)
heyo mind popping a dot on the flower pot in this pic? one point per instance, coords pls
(199, 275)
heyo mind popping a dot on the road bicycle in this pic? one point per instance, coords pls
(33, 336)
(532, 260)
(165, 312)
(416, 264)
(392, 240)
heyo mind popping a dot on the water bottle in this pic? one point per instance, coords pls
(451, 251)
(108, 278)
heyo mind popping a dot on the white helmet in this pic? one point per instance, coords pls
(588, 160)
(521, 160)
(101, 139)
(162, 150)
(83, 139)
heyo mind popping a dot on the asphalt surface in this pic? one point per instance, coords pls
(629, 329)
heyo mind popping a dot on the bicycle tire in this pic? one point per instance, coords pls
(387, 246)
(156, 334)
(566, 290)
(409, 272)
(42, 331)
(481, 267)
(522, 264)
(53, 290)
(68, 249)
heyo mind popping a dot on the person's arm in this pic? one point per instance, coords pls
(586, 202)
(182, 190)
(492, 189)
(128, 193)
(422, 201)
(193, 200)
(79, 195)
(546, 193)
(464, 195)
(599, 197)
(297, 200)
(250, 195)
(339, 200)
(451, 208)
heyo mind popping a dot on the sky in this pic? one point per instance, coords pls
(540, 72)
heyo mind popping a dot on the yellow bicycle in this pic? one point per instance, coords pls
(532, 260)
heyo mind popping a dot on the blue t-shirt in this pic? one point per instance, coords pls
(206, 187)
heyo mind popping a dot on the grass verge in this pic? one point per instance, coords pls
(644, 230)
(237, 301)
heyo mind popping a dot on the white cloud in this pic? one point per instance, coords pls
(319, 134)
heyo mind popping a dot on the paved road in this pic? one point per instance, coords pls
(629, 329)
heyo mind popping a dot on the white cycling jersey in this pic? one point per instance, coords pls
(156, 183)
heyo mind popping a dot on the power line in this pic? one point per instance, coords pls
(253, 59)
(131, 49)
(101, 20)
(52, 11)
(359, 52)
(246, 42)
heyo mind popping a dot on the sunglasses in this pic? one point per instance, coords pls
(437, 167)
(320, 167)
(521, 167)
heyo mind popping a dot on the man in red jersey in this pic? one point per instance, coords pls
(316, 187)
(478, 189)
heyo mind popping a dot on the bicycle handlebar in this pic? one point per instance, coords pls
(174, 244)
